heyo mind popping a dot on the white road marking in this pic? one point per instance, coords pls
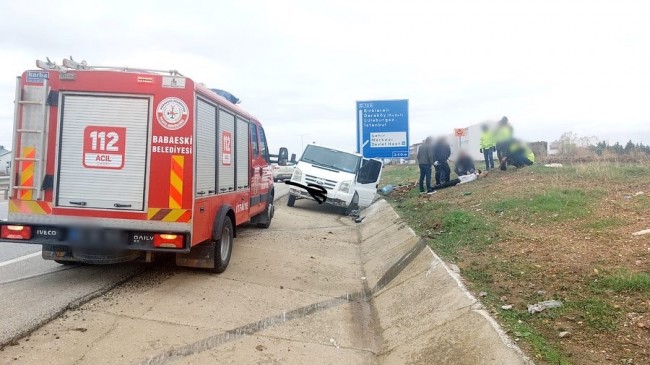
(21, 258)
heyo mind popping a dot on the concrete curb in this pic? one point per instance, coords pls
(440, 313)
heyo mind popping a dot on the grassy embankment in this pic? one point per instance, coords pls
(549, 233)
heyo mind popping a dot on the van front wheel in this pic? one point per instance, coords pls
(354, 205)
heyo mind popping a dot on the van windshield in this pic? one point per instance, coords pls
(332, 159)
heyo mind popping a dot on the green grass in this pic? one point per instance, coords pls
(400, 175)
(553, 204)
(596, 313)
(448, 230)
(597, 171)
(517, 322)
(604, 223)
(479, 275)
(625, 281)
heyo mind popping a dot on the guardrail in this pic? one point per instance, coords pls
(4, 186)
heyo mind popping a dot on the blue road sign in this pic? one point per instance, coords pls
(383, 128)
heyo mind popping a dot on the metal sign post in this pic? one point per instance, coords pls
(460, 132)
(383, 128)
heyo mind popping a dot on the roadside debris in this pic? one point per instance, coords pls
(564, 334)
(333, 342)
(482, 294)
(641, 233)
(387, 189)
(538, 307)
(359, 219)
(638, 193)
(506, 307)
(553, 165)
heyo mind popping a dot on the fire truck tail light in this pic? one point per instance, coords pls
(164, 240)
(16, 232)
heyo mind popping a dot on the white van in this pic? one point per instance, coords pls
(350, 180)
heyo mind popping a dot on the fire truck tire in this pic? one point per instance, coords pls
(268, 213)
(67, 263)
(223, 247)
(291, 201)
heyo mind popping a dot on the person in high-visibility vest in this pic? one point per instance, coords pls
(487, 146)
(503, 137)
(520, 154)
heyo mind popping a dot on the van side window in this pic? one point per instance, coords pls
(263, 150)
(256, 150)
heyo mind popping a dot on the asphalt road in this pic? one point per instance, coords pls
(33, 291)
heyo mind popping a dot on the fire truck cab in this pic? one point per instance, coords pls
(117, 164)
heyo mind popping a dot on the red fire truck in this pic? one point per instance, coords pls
(118, 164)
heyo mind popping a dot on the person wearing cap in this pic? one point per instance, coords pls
(425, 160)
(502, 139)
(487, 146)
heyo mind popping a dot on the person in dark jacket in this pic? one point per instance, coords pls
(464, 164)
(441, 153)
(425, 160)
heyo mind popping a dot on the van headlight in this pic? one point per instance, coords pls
(346, 186)
(297, 175)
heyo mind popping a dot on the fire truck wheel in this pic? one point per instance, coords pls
(268, 212)
(291, 201)
(223, 247)
(67, 263)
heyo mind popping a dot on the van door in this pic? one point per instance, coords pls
(367, 181)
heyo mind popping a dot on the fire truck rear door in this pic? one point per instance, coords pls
(103, 152)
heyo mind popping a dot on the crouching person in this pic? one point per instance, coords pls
(464, 164)
(520, 155)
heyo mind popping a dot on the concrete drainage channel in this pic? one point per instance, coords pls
(315, 288)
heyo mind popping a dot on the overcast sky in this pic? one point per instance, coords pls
(299, 66)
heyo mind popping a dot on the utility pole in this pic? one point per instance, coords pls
(302, 143)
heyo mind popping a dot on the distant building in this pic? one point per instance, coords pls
(413, 151)
(540, 149)
(554, 148)
(470, 143)
(5, 161)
